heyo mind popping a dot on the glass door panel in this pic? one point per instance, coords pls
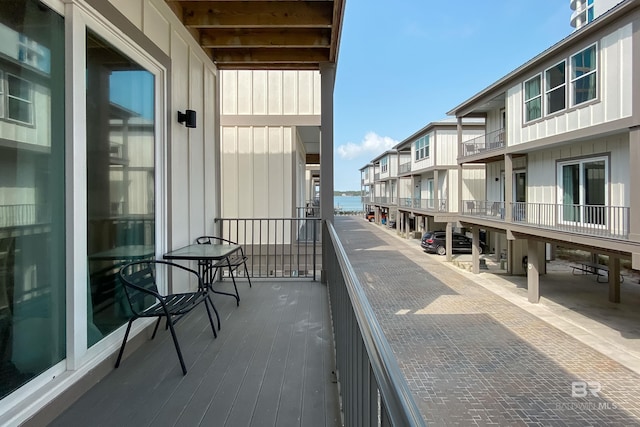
(571, 193)
(32, 223)
(594, 192)
(120, 177)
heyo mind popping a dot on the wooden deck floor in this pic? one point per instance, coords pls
(271, 365)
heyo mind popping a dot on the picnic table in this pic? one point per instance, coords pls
(598, 270)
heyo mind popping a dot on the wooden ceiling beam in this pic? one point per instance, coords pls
(257, 14)
(275, 55)
(266, 38)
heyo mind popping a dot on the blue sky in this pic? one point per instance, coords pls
(405, 63)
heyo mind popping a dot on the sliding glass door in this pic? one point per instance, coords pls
(583, 192)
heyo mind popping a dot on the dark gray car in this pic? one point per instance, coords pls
(435, 242)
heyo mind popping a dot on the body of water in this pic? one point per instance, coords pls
(347, 203)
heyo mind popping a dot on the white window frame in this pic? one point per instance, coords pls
(548, 90)
(572, 80)
(423, 148)
(560, 189)
(29, 102)
(384, 165)
(526, 101)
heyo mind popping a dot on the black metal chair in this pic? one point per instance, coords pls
(232, 263)
(139, 280)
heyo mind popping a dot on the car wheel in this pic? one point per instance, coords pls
(480, 250)
(441, 250)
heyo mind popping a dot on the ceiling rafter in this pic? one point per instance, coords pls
(264, 34)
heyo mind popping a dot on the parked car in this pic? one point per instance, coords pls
(435, 242)
(371, 216)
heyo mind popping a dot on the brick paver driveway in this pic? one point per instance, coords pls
(472, 358)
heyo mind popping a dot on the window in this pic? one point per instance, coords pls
(422, 148)
(532, 99)
(555, 84)
(584, 75)
(384, 165)
(19, 99)
(583, 191)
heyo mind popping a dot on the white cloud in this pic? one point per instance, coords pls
(372, 145)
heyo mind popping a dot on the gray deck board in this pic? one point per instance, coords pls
(271, 365)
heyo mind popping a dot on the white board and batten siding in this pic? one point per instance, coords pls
(614, 101)
(257, 166)
(270, 92)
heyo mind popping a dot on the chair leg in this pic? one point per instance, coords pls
(124, 342)
(235, 287)
(156, 328)
(213, 327)
(175, 342)
(246, 271)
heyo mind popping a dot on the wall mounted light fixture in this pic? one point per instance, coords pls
(188, 118)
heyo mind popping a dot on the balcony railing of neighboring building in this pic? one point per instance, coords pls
(24, 214)
(405, 202)
(277, 247)
(430, 204)
(487, 142)
(404, 167)
(372, 387)
(376, 176)
(592, 220)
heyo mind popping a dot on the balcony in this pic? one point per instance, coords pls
(404, 168)
(488, 142)
(425, 204)
(278, 360)
(590, 220)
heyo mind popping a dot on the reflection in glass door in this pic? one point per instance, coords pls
(120, 177)
(32, 223)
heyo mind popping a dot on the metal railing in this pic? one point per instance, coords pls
(490, 141)
(593, 220)
(404, 167)
(24, 214)
(372, 387)
(277, 247)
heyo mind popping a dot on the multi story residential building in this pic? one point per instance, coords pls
(385, 185)
(562, 151)
(585, 11)
(97, 167)
(428, 175)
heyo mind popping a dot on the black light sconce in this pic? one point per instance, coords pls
(188, 118)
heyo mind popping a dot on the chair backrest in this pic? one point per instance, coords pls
(140, 285)
(210, 240)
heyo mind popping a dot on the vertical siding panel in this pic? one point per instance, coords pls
(276, 172)
(305, 92)
(229, 172)
(290, 92)
(245, 171)
(275, 85)
(196, 151)
(245, 92)
(261, 174)
(229, 84)
(260, 92)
